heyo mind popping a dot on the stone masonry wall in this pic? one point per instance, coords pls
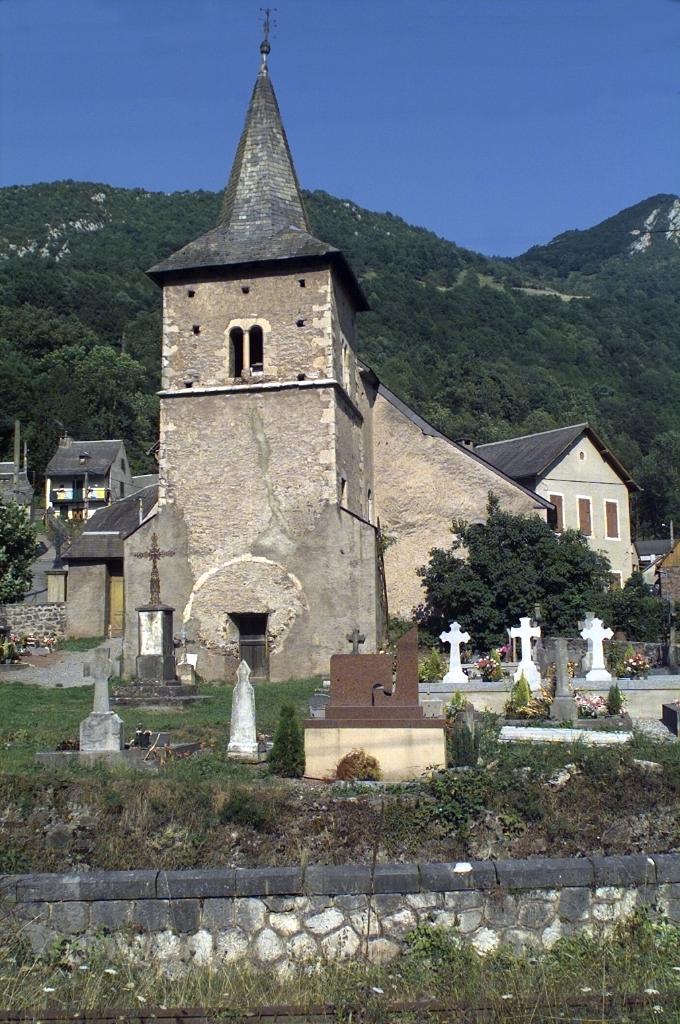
(34, 618)
(278, 915)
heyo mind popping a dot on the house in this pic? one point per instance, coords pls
(581, 477)
(95, 587)
(285, 466)
(84, 476)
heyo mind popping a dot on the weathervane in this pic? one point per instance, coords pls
(265, 47)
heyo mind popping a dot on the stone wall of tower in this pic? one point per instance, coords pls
(295, 318)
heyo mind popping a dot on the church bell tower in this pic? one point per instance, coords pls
(265, 445)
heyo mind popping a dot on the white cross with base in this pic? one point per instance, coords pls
(596, 633)
(455, 637)
(526, 633)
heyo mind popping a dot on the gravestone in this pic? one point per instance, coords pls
(525, 633)
(102, 731)
(374, 706)
(595, 632)
(243, 744)
(156, 658)
(563, 707)
(455, 637)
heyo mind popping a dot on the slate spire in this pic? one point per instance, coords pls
(263, 193)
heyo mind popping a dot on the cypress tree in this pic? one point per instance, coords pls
(287, 756)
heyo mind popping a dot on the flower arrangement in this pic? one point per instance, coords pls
(635, 665)
(590, 705)
(490, 667)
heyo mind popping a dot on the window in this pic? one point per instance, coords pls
(122, 464)
(245, 288)
(584, 517)
(236, 351)
(301, 282)
(196, 329)
(256, 349)
(558, 501)
(191, 293)
(370, 506)
(343, 489)
(611, 520)
(616, 581)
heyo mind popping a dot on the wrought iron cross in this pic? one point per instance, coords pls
(154, 554)
(355, 638)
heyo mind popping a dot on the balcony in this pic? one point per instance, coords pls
(59, 495)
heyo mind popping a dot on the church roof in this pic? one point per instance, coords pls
(533, 454)
(263, 217)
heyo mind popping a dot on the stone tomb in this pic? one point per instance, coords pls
(374, 708)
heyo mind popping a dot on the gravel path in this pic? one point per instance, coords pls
(654, 729)
(62, 668)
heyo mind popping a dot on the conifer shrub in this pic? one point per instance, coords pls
(462, 745)
(614, 700)
(520, 698)
(359, 766)
(287, 757)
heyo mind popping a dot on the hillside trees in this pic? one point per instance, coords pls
(17, 551)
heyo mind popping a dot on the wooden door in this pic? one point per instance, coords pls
(253, 643)
(116, 605)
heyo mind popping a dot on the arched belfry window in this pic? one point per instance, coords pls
(236, 339)
(256, 349)
(246, 351)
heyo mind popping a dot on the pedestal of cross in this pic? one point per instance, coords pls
(595, 632)
(525, 633)
(455, 637)
(156, 658)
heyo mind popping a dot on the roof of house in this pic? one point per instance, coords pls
(652, 548)
(67, 458)
(144, 480)
(263, 217)
(532, 455)
(105, 532)
(431, 431)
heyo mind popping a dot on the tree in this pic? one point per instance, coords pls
(513, 563)
(287, 756)
(637, 612)
(17, 551)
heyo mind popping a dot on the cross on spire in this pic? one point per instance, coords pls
(265, 46)
(154, 554)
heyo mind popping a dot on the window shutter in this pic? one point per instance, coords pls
(584, 521)
(558, 501)
(612, 516)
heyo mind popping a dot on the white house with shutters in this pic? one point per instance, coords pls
(575, 470)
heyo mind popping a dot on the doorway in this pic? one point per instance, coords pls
(252, 642)
(116, 605)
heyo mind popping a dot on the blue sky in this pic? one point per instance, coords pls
(495, 123)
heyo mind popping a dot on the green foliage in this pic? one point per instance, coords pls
(462, 745)
(287, 757)
(637, 612)
(79, 643)
(614, 700)
(513, 562)
(614, 348)
(17, 551)
(432, 668)
(520, 695)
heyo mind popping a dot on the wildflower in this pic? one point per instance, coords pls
(83, 967)
(586, 988)
(651, 991)
(506, 995)
(48, 988)
(657, 1009)
(140, 999)
(380, 991)
(110, 970)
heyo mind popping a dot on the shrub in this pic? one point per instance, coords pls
(360, 766)
(520, 696)
(462, 746)
(287, 757)
(453, 708)
(432, 668)
(614, 700)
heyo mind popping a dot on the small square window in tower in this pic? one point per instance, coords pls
(252, 641)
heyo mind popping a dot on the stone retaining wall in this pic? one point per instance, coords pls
(40, 619)
(278, 915)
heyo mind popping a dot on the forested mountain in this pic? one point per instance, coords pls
(587, 327)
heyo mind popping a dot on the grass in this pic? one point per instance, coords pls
(79, 643)
(639, 958)
(34, 718)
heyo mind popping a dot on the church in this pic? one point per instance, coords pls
(297, 495)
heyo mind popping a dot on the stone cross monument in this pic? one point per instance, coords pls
(525, 632)
(595, 632)
(156, 658)
(242, 733)
(102, 731)
(563, 707)
(455, 637)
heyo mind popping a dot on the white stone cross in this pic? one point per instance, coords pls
(242, 733)
(455, 637)
(525, 632)
(595, 632)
